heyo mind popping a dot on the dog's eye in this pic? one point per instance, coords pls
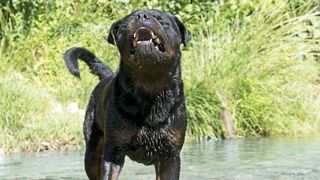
(157, 16)
(164, 23)
(160, 20)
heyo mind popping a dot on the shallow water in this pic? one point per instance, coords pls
(241, 159)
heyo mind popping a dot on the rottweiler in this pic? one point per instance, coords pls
(139, 111)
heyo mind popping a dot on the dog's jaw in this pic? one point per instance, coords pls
(148, 47)
(146, 36)
(150, 59)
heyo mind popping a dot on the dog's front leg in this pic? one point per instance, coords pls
(168, 169)
(112, 163)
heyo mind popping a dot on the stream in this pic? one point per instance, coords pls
(237, 159)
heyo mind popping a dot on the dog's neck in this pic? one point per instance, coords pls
(152, 80)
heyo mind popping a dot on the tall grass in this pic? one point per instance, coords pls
(266, 65)
(258, 62)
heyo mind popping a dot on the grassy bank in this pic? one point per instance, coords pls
(256, 61)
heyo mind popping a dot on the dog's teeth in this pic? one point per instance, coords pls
(150, 40)
(157, 41)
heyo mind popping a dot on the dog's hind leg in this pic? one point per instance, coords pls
(94, 143)
(93, 155)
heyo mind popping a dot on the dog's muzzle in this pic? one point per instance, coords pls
(145, 36)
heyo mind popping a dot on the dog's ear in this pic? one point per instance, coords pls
(184, 32)
(112, 37)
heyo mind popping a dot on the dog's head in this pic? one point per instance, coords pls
(148, 38)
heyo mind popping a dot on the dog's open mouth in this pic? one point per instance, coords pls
(147, 37)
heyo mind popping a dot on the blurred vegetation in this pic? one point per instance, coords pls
(263, 56)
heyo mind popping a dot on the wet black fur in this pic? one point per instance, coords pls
(125, 117)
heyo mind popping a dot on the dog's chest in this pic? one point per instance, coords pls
(148, 145)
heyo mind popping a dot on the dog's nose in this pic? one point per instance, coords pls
(142, 16)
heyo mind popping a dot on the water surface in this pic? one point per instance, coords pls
(240, 159)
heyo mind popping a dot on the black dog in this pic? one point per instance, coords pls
(139, 111)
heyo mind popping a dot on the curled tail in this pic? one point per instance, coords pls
(96, 66)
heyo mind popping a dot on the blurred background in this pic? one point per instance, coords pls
(251, 63)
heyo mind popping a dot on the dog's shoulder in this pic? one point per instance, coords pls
(102, 92)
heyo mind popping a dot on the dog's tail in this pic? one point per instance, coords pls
(96, 66)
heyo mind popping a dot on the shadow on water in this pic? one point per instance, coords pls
(240, 159)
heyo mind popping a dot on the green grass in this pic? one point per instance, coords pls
(261, 57)
(267, 66)
(31, 117)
